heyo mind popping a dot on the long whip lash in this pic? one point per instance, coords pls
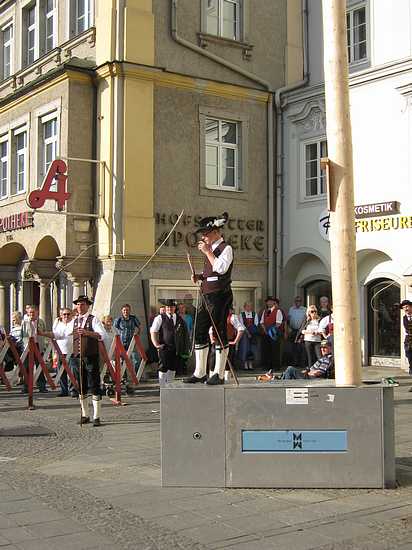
(150, 259)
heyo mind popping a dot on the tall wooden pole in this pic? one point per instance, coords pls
(342, 219)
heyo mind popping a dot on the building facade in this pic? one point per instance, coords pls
(380, 66)
(156, 107)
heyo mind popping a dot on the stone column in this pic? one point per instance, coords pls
(19, 296)
(56, 301)
(44, 308)
(5, 305)
(63, 290)
(77, 288)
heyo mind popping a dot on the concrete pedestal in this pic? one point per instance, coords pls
(284, 434)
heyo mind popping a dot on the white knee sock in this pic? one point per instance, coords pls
(97, 404)
(220, 361)
(227, 373)
(170, 375)
(162, 378)
(201, 362)
(84, 404)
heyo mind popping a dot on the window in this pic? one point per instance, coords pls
(222, 156)
(357, 34)
(7, 45)
(29, 38)
(20, 161)
(315, 178)
(49, 25)
(4, 168)
(83, 15)
(49, 142)
(223, 18)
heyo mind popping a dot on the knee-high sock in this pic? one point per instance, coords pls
(97, 404)
(201, 362)
(84, 404)
(220, 362)
(170, 375)
(162, 378)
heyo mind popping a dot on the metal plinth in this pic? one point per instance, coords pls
(287, 434)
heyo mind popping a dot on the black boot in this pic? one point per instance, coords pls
(215, 380)
(194, 380)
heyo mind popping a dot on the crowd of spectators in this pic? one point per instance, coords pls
(271, 338)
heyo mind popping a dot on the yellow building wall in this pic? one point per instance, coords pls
(139, 32)
(138, 184)
(294, 44)
(104, 178)
(139, 230)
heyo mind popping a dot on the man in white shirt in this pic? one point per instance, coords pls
(86, 331)
(170, 337)
(217, 298)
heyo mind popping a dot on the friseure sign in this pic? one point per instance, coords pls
(21, 220)
(241, 233)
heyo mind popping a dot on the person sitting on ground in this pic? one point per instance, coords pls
(320, 369)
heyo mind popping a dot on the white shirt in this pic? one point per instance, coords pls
(237, 323)
(296, 316)
(67, 331)
(323, 323)
(66, 343)
(311, 328)
(222, 263)
(157, 322)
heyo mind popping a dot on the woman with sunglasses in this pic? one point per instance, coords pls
(312, 336)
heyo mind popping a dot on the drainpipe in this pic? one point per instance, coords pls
(265, 84)
(280, 184)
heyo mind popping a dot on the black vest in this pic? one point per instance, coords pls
(90, 346)
(221, 282)
(167, 331)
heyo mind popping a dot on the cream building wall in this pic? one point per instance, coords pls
(381, 132)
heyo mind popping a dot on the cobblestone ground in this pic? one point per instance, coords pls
(46, 456)
(50, 434)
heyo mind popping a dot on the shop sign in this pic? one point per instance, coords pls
(384, 224)
(240, 233)
(21, 220)
(367, 226)
(56, 173)
(377, 209)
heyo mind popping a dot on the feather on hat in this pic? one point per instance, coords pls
(210, 223)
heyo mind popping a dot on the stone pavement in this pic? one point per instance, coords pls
(68, 487)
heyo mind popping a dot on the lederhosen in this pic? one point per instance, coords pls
(217, 298)
(168, 333)
(408, 340)
(90, 382)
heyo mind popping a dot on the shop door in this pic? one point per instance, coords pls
(383, 320)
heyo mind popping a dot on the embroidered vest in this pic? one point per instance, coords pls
(90, 346)
(219, 282)
(269, 318)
